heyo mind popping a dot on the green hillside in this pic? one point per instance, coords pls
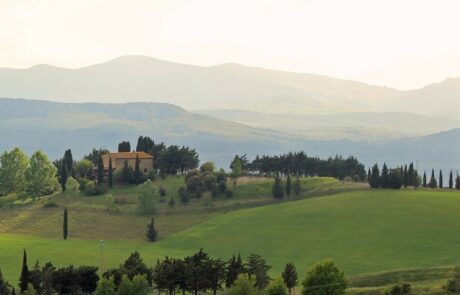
(363, 231)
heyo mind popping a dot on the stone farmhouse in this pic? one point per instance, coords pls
(119, 159)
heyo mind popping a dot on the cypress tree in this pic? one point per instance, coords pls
(151, 231)
(24, 279)
(297, 186)
(63, 175)
(100, 170)
(110, 172)
(433, 183)
(410, 174)
(13, 292)
(440, 179)
(384, 179)
(288, 185)
(424, 179)
(68, 161)
(451, 180)
(374, 180)
(278, 190)
(406, 177)
(289, 276)
(137, 171)
(368, 174)
(65, 225)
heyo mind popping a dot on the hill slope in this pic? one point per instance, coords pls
(363, 231)
(140, 78)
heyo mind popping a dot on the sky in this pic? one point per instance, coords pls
(403, 44)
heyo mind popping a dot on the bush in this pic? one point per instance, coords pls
(71, 185)
(208, 167)
(93, 189)
(332, 280)
(50, 205)
(243, 286)
(120, 200)
(221, 176)
(400, 289)
(277, 287)
(222, 186)
(162, 191)
(152, 175)
(209, 181)
(229, 193)
(147, 196)
(171, 202)
(194, 184)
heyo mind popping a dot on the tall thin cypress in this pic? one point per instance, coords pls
(451, 180)
(424, 179)
(65, 226)
(110, 172)
(151, 231)
(100, 170)
(63, 175)
(440, 179)
(137, 171)
(406, 177)
(24, 279)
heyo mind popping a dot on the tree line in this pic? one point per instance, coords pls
(195, 274)
(299, 163)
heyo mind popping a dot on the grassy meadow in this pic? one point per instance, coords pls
(363, 231)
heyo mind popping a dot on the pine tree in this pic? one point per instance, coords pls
(24, 279)
(110, 172)
(288, 185)
(100, 170)
(151, 231)
(63, 175)
(424, 179)
(410, 174)
(406, 177)
(368, 173)
(65, 226)
(289, 276)
(235, 267)
(440, 179)
(137, 171)
(451, 180)
(384, 179)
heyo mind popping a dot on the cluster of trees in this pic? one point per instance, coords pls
(433, 183)
(279, 188)
(205, 179)
(20, 175)
(197, 273)
(393, 177)
(301, 164)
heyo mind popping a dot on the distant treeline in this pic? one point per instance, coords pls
(299, 163)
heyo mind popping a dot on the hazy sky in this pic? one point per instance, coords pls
(398, 43)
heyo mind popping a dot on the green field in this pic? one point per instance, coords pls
(363, 231)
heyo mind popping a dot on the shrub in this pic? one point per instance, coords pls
(221, 176)
(147, 196)
(171, 202)
(222, 186)
(229, 193)
(332, 280)
(90, 188)
(194, 184)
(152, 175)
(208, 167)
(120, 200)
(243, 285)
(209, 181)
(277, 287)
(400, 289)
(71, 185)
(162, 191)
(50, 205)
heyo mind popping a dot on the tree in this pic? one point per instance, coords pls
(394, 179)
(4, 285)
(35, 278)
(374, 181)
(277, 287)
(140, 285)
(234, 269)
(208, 167)
(440, 179)
(13, 167)
(215, 271)
(406, 177)
(384, 183)
(137, 171)
(106, 286)
(151, 231)
(65, 226)
(289, 275)
(84, 168)
(324, 279)
(288, 185)
(424, 179)
(93, 156)
(63, 176)
(110, 172)
(451, 180)
(147, 195)
(236, 168)
(433, 183)
(171, 202)
(297, 186)
(124, 146)
(66, 169)
(41, 175)
(278, 189)
(100, 170)
(24, 278)
(126, 173)
(457, 182)
(258, 268)
(243, 285)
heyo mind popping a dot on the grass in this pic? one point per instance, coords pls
(362, 231)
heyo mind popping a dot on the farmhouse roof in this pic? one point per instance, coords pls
(130, 155)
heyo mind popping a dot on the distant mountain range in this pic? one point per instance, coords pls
(54, 127)
(228, 86)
